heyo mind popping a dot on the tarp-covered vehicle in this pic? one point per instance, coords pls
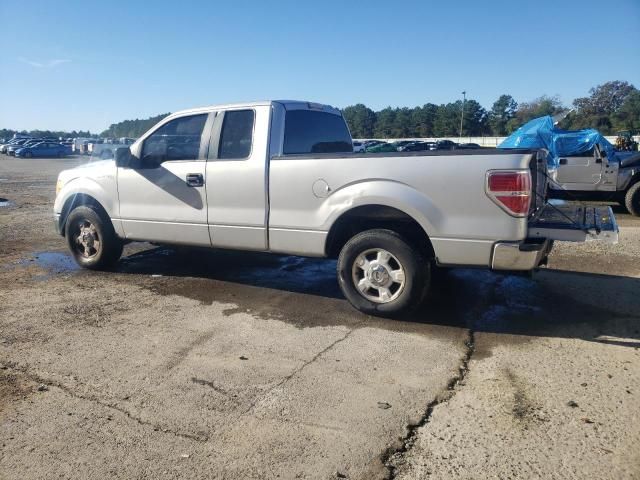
(582, 164)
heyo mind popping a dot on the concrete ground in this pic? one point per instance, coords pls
(210, 364)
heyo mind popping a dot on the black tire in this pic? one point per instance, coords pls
(28, 155)
(97, 256)
(416, 268)
(632, 199)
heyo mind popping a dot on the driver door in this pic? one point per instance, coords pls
(163, 195)
(580, 172)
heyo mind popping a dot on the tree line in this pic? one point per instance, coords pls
(610, 107)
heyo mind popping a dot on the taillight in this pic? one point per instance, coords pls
(510, 190)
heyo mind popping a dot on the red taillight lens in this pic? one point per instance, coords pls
(510, 190)
(509, 182)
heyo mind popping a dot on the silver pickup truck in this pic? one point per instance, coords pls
(281, 176)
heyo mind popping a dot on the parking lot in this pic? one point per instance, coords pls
(219, 364)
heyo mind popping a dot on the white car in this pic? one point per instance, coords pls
(358, 147)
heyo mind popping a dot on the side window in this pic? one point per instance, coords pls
(588, 153)
(177, 140)
(308, 131)
(237, 135)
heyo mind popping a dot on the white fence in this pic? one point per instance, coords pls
(482, 141)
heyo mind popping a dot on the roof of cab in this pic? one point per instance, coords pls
(288, 104)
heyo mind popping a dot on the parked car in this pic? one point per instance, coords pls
(467, 146)
(358, 147)
(445, 145)
(15, 143)
(281, 176)
(107, 148)
(43, 149)
(372, 143)
(383, 147)
(11, 150)
(415, 147)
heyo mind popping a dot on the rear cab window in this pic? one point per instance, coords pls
(312, 131)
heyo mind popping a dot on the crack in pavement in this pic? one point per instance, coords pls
(91, 398)
(393, 455)
(302, 367)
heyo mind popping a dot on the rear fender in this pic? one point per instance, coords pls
(382, 192)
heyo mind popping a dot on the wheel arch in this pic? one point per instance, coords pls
(374, 216)
(77, 200)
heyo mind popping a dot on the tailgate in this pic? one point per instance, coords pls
(574, 223)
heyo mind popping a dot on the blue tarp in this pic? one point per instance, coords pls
(541, 133)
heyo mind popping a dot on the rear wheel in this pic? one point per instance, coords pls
(380, 273)
(632, 199)
(92, 239)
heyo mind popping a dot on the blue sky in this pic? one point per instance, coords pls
(85, 65)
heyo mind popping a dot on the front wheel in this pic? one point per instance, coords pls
(632, 199)
(382, 274)
(92, 239)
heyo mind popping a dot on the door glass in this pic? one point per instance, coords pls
(236, 136)
(178, 139)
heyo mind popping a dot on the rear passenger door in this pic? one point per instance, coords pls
(236, 179)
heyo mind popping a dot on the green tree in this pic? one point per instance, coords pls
(503, 110)
(541, 106)
(422, 119)
(599, 109)
(361, 120)
(385, 123)
(447, 119)
(627, 117)
(132, 128)
(475, 119)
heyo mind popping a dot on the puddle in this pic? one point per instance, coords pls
(53, 262)
(290, 273)
(4, 202)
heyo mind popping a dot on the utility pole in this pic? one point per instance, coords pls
(464, 99)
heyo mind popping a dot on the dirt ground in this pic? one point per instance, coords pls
(215, 364)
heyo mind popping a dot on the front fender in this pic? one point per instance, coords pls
(103, 192)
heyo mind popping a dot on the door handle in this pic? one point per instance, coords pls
(195, 179)
(563, 161)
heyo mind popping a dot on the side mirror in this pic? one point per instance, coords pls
(123, 157)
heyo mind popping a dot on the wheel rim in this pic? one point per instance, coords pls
(378, 275)
(85, 239)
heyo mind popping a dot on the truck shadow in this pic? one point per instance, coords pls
(554, 303)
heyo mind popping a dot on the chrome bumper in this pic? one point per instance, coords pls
(519, 256)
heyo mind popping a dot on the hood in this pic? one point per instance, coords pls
(90, 169)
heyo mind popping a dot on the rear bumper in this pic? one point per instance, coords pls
(519, 255)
